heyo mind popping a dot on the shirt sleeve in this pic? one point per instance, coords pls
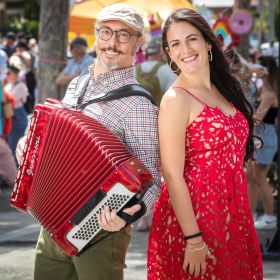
(141, 137)
(68, 69)
(70, 92)
(20, 93)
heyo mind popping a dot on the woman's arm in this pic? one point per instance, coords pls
(173, 121)
(266, 102)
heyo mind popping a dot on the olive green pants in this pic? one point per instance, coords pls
(105, 260)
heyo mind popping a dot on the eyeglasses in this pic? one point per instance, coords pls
(122, 35)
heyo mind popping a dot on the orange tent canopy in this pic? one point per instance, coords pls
(82, 16)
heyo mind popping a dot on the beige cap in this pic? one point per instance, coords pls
(124, 13)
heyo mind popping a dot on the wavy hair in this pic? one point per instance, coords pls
(221, 74)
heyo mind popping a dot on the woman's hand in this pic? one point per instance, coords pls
(195, 258)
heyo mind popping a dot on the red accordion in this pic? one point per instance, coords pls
(72, 167)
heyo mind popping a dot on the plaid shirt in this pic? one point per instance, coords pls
(132, 119)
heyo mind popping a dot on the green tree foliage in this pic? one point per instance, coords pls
(29, 23)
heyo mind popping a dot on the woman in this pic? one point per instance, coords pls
(8, 170)
(19, 91)
(202, 225)
(266, 115)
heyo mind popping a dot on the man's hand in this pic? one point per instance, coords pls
(19, 149)
(110, 221)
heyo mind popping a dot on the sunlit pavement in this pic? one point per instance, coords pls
(18, 234)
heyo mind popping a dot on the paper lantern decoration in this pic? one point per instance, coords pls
(222, 31)
(240, 22)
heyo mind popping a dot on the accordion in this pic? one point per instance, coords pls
(72, 167)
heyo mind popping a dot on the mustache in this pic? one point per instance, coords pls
(114, 49)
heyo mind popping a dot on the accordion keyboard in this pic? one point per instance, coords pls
(83, 233)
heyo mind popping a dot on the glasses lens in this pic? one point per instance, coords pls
(105, 33)
(123, 36)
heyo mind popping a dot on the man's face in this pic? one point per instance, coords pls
(78, 51)
(112, 54)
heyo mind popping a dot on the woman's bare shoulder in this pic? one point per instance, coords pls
(175, 97)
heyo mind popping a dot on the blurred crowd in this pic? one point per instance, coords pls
(18, 79)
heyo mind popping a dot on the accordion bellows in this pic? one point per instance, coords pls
(72, 167)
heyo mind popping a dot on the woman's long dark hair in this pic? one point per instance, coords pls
(221, 74)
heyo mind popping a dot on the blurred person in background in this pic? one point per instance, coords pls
(155, 65)
(78, 64)
(9, 43)
(8, 170)
(24, 59)
(19, 91)
(155, 75)
(21, 59)
(266, 116)
(3, 65)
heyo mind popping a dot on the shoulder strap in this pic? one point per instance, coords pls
(81, 86)
(125, 91)
(138, 70)
(122, 92)
(195, 97)
(153, 71)
(156, 67)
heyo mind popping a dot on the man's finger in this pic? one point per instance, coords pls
(132, 210)
(107, 214)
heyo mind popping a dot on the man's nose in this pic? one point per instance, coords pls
(113, 37)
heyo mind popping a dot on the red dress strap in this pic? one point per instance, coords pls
(199, 100)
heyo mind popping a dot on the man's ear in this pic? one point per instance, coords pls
(139, 43)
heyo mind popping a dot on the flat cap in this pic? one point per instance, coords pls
(124, 13)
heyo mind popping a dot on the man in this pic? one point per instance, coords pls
(9, 43)
(133, 120)
(154, 74)
(78, 64)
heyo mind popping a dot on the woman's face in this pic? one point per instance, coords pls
(11, 76)
(187, 47)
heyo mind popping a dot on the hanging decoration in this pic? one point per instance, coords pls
(222, 31)
(241, 22)
(155, 22)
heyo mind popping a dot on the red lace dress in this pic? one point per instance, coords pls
(215, 147)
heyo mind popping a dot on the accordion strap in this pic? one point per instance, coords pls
(125, 91)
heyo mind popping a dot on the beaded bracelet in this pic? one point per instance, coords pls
(187, 237)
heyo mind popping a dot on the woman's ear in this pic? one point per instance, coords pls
(209, 46)
(168, 52)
